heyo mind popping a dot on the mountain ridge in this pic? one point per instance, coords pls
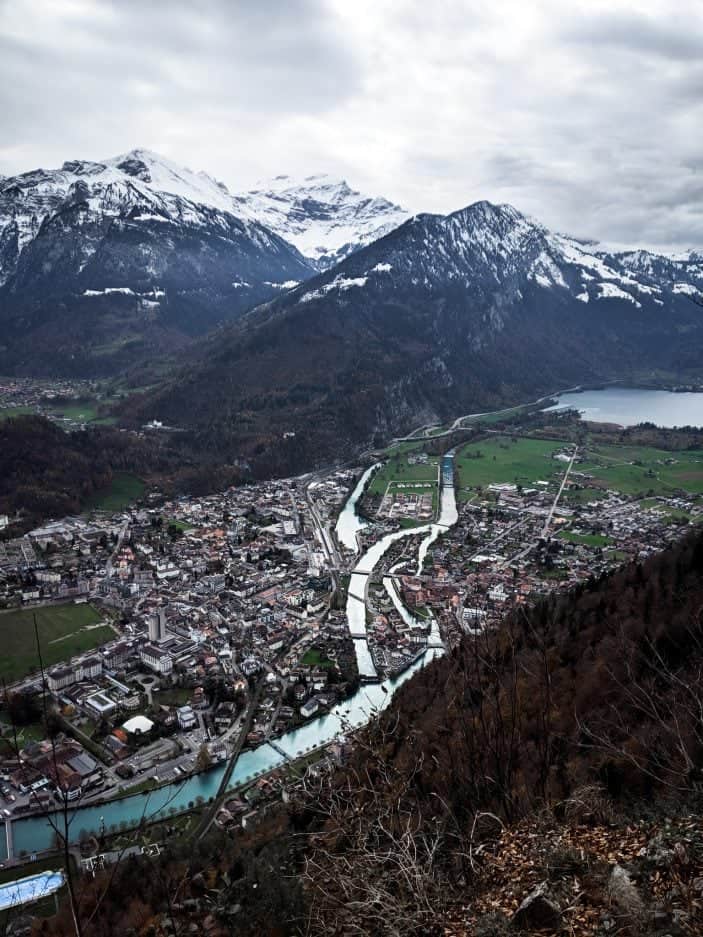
(443, 315)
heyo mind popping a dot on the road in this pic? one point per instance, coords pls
(423, 432)
(120, 538)
(547, 523)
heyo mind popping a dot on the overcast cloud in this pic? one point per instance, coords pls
(587, 115)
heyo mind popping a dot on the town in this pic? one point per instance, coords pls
(151, 643)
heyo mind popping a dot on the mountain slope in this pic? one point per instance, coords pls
(102, 262)
(441, 316)
(322, 216)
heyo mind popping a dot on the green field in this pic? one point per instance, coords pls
(84, 412)
(315, 658)
(403, 447)
(503, 459)
(416, 486)
(173, 696)
(64, 630)
(123, 490)
(8, 412)
(634, 470)
(179, 525)
(496, 416)
(667, 509)
(576, 496)
(77, 411)
(34, 732)
(588, 540)
(398, 469)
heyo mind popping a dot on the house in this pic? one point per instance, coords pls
(224, 715)
(186, 718)
(87, 768)
(250, 666)
(117, 656)
(100, 705)
(310, 708)
(116, 744)
(89, 668)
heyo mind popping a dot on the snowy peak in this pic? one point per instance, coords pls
(139, 189)
(163, 175)
(321, 215)
(135, 234)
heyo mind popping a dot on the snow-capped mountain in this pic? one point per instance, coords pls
(444, 315)
(322, 216)
(137, 187)
(134, 237)
(495, 249)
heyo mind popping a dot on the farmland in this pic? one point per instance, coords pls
(505, 459)
(634, 470)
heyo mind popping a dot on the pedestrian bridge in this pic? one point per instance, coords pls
(277, 748)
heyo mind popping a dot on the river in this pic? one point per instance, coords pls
(35, 834)
(349, 523)
(628, 406)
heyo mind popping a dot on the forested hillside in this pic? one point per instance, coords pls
(47, 472)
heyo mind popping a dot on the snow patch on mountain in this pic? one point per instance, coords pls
(686, 289)
(611, 291)
(340, 283)
(108, 291)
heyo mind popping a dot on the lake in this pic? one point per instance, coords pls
(629, 406)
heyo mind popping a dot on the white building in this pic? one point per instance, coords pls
(156, 658)
(310, 708)
(186, 718)
(60, 678)
(89, 668)
(138, 725)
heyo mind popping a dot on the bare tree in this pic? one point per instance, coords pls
(657, 725)
(378, 864)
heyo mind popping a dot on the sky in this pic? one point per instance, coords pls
(586, 115)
